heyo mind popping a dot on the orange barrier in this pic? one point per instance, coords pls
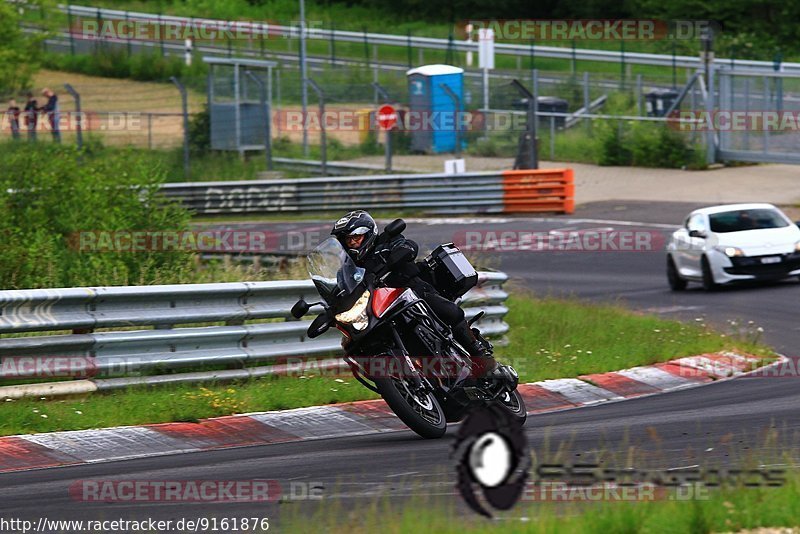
(532, 190)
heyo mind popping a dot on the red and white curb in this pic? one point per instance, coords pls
(36, 451)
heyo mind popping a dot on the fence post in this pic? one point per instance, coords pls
(366, 46)
(160, 35)
(639, 94)
(456, 122)
(323, 138)
(128, 40)
(71, 31)
(531, 126)
(333, 43)
(267, 117)
(408, 48)
(77, 98)
(674, 66)
(388, 147)
(586, 101)
(622, 64)
(150, 131)
(185, 108)
(99, 30)
(574, 58)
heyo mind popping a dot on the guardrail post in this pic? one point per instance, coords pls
(185, 111)
(77, 98)
(323, 137)
(267, 117)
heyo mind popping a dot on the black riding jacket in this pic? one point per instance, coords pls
(397, 256)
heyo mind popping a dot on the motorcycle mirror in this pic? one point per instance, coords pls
(395, 227)
(300, 308)
(319, 326)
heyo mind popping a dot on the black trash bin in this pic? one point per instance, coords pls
(658, 101)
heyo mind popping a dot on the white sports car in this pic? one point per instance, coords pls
(722, 244)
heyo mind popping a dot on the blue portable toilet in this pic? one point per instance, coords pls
(433, 114)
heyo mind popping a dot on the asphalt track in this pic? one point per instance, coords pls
(719, 424)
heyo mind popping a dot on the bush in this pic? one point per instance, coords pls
(112, 62)
(51, 193)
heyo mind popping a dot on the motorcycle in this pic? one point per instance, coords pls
(396, 346)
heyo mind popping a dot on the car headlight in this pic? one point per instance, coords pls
(357, 315)
(797, 247)
(731, 252)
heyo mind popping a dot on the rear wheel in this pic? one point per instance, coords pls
(515, 405)
(676, 283)
(708, 277)
(421, 413)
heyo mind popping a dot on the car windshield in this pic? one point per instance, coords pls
(743, 220)
(334, 273)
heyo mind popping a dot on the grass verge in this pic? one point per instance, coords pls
(728, 510)
(549, 338)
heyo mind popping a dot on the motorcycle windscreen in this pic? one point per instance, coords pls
(333, 271)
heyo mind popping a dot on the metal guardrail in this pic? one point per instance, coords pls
(168, 345)
(486, 192)
(581, 54)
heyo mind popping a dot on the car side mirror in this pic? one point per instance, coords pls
(395, 227)
(319, 325)
(300, 308)
(697, 233)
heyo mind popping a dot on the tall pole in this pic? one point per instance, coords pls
(303, 76)
(185, 109)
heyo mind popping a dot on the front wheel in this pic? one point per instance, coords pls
(421, 413)
(515, 405)
(709, 284)
(676, 283)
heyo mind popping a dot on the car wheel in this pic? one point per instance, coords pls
(676, 283)
(708, 277)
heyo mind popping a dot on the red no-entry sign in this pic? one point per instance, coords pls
(387, 117)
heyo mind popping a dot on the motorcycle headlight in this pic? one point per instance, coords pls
(731, 251)
(357, 315)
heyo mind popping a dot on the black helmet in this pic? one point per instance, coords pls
(357, 222)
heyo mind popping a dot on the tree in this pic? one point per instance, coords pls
(19, 51)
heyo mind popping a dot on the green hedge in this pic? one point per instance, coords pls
(50, 193)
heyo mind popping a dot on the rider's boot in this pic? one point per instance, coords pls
(483, 357)
(478, 348)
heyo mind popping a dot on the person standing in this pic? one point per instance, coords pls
(13, 118)
(51, 110)
(31, 116)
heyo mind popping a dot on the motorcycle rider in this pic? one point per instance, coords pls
(358, 234)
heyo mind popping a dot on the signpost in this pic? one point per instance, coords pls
(387, 119)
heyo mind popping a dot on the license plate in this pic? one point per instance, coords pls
(771, 259)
